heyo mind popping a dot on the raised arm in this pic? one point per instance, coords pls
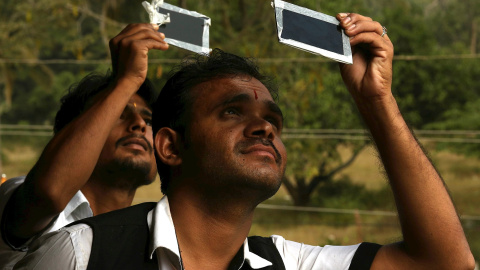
(433, 237)
(70, 157)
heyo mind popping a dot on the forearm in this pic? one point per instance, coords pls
(67, 163)
(431, 229)
(73, 152)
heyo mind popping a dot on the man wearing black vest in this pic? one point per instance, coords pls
(219, 155)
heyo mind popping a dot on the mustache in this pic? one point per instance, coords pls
(251, 142)
(139, 136)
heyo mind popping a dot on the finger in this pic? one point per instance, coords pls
(151, 44)
(347, 19)
(130, 49)
(131, 29)
(377, 45)
(126, 41)
(358, 17)
(134, 27)
(363, 26)
(144, 34)
(140, 27)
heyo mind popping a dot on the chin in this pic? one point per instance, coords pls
(132, 172)
(262, 186)
(268, 181)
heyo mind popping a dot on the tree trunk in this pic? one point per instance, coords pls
(102, 26)
(1, 148)
(473, 40)
(301, 192)
(8, 85)
(182, 4)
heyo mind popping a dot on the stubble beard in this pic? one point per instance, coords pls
(235, 180)
(128, 174)
(242, 182)
(259, 177)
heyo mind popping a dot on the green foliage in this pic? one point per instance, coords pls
(427, 90)
(457, 25)
(19, 153)
(314, 97)
(36, 104)
(465, 118)
(343, 194)
(473, 236)
(339, 194)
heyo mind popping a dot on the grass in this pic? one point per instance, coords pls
(20, 154)
(462, 175)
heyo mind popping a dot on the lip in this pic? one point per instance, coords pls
(135, 143)
(261, 150)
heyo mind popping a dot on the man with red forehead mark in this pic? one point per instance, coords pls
(219, 154)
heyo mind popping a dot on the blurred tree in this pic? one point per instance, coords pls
(313, 97)
(456, 24)
(441, 94)
(465, 118)
(20, 40)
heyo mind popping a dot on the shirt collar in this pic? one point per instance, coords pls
(163, 236)
(253, 259)
(161, 228)
(77, 201)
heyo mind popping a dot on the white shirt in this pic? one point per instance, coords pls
(69, 248)
(78, 208)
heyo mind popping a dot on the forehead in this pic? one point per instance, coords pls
(220, 89)
(138, 104)
(138, 100)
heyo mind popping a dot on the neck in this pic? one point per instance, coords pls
(219, 230)
(104, 198)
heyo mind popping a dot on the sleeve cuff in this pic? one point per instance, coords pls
(3, 227)
(363, 258)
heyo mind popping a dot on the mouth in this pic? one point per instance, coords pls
(264, 150)
(135, 142)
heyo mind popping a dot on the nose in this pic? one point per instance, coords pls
(137, 123)
(260, 128)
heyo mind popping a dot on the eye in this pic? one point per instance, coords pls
(231, 111)
(124, 114)
(272, 121)
(277, 123)
(148, 121)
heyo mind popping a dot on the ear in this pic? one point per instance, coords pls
(166, 146)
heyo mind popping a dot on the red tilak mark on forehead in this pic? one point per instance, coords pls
(256, 96)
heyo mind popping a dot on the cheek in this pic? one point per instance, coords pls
(110, 142)
(149, 137)
(281, 149)
(115, 134)
(214, 143)
(108, 150)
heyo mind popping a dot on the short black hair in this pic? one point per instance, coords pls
(76, 100)
(174, 103)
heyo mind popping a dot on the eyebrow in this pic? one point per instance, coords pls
(141, 109)
(272, 106)
(235, 99)
(146, 111)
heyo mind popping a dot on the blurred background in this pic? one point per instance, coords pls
(334, 190)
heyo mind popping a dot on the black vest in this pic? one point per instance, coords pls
(121, 241)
